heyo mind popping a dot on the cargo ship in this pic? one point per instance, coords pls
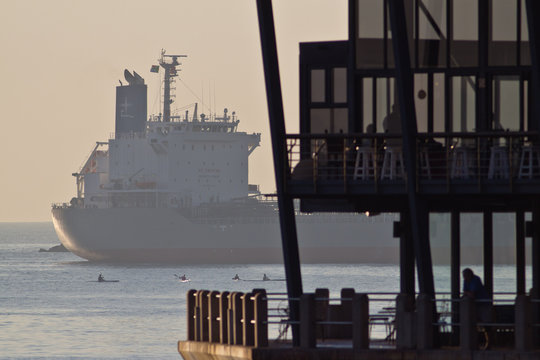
(173, 188)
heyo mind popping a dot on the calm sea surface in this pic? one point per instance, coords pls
(52, 308)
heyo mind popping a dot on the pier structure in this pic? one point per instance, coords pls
(427, 107)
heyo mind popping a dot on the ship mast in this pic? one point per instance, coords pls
(169, 64)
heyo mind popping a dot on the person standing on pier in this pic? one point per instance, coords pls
(473, 287)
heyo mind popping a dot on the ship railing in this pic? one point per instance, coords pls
(60, 205)
(363, 320)
(497, 157)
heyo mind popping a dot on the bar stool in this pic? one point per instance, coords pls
(393, 164)
(461, 161)
(527, 164)
(498, 163)
(364, 165)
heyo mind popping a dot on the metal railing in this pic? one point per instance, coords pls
(387, 320)
(497, 157)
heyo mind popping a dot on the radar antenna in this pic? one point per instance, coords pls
(169, 63)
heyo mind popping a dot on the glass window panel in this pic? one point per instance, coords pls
(463, 104)
(367, 102)
(340, 85)
(438, 103)
(464, 45)
(370, 19)
(504, 20)
(421, 101)
(318, 85)
(320, 121)
(340, 123)
(385, 99)
(506, 112)
(432, 19)
(465, 20)
(502, 47)
(524, 50)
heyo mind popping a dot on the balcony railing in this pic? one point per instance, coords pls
(499, 158)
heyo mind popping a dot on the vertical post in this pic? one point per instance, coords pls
(321, 311)
(533, 21)
(535, 292)
(347, 295)
(424, 309)
(417, 206)
(213, 316)
(197, 316)
(360, 320)
(520, 252)
(191, 303)
(467, 316)
(247, 317)
(203, 317)
(455, 275)
(523, 328)
(488, 252)
(307, 321)
(260, 318)
(223, 317)
(405, 322)
(406, 255)
(235, 318)
(291, 257)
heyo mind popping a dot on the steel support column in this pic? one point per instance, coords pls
(533, 20)
(520, 253)
(406, 256)
(405, 86)
(287, 221)
(488, 252)
(455, 273)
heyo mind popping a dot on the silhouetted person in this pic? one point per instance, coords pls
(100, 277)
(473, 287)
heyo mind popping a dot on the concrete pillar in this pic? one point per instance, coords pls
(405, 322)
(247, 318)
(307, 321)
(360, 320)
(203, 315)
(197, 316)
(213, 316)
(523, 326)
(467, 319)
(223, 317)
(191, 303)
(260, 319)
(235, 318)
(424, 321)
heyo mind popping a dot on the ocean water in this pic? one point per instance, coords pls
(51, 307)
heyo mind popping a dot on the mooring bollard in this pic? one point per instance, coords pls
(223, 317)
(360, 320)
(213, 316)
(191, 304)
(307, 321)
(467, 319)
(260, 318)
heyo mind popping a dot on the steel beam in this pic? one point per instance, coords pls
(287, 220)
(533, 20)
(405, 86)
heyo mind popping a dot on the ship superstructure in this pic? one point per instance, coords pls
(165, 160)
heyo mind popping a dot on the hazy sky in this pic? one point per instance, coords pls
(62, 59)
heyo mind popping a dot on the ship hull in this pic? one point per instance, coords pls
(165, 236)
